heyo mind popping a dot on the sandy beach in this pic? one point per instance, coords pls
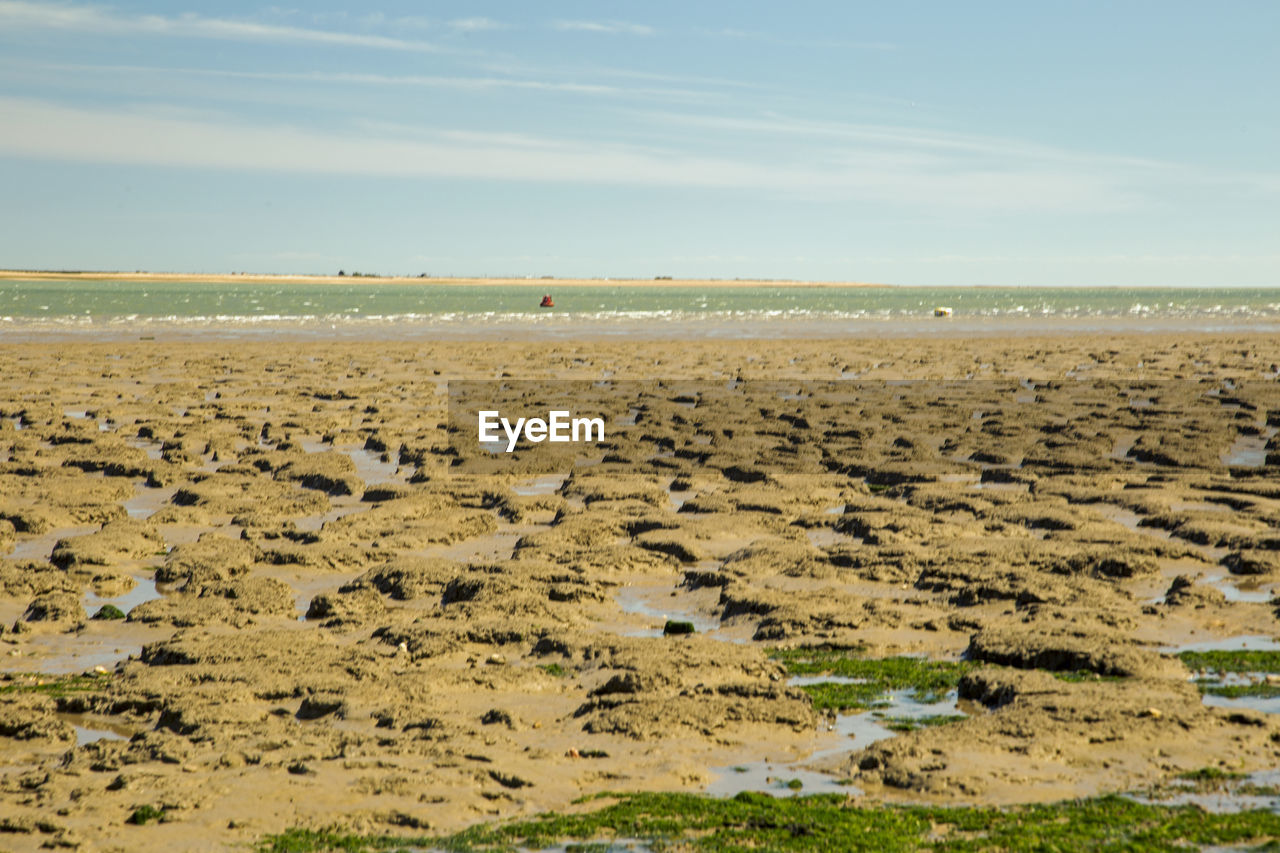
(329, 616)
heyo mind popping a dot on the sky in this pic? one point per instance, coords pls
(1123, 142)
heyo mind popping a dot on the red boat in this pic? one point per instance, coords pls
(547, 302)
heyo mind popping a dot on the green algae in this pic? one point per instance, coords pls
(752, 821)
(911, 724)
(109, 612)
(54, 685)
(1243, 660)
(1241, 691)
(144, 814)
(874, 678)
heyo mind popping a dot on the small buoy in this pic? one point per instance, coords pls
(942, 311)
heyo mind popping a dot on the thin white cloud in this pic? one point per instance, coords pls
(428, 81)
(16, 15)
(745, 35)
(897, 138)
(607, 27)
(43, 130)
(475, 25)
(926, 147)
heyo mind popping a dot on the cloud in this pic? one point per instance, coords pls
(17, 15)
(843, 44)
(43, 130)
(426, 81)
(607, 27)
(899, 138)
(475, 25)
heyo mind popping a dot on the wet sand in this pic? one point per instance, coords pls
(334, 618)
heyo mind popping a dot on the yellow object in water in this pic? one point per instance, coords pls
(941, 311)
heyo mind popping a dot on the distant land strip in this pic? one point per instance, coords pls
(541, 282)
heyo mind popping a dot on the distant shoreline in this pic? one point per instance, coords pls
(532, 283)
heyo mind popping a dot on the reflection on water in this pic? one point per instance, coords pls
(147, 501)
(1249, 451)
(1241, 590)
(90, 729)
(40, 547)
(1232, 644)
(855, 732)
(371, 468)
(658, 603)
(144, 589)
(1246, 794)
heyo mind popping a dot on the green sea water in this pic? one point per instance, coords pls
(104, 300)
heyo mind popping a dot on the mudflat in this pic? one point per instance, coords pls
(247, 587)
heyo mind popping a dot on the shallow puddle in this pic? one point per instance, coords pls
(547, 484)
(1241, 590)
(854, 732)
(60, 654)
(91, 729)
(371, 468)
(144, 589)
(1253, 643)
(147, 446)
(825, 537)
(1198, 506)
(1265, 704)
(777, 779)
(658, 602)
(1224, 800)
(499, 545)
(1131, 520)
(1002, 487)
(678, 499)
(147, 502)
(307, 587)
(339, 507)
(1120, 452)
(1249, 451)
(40, 547)
(806, 680)
(368, 463)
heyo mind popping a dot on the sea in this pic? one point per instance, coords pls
(35, 308)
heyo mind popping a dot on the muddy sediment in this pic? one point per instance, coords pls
(332, 612)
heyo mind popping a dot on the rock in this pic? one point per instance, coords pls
(344, 608)
(125, 539)
(30, 716)
(1064, 646)
(236, 602)
(407, 578)
(210, 557)
(1183, 591)
(330, 472)
(1252, 562)
(59, 607)
(496, 716)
